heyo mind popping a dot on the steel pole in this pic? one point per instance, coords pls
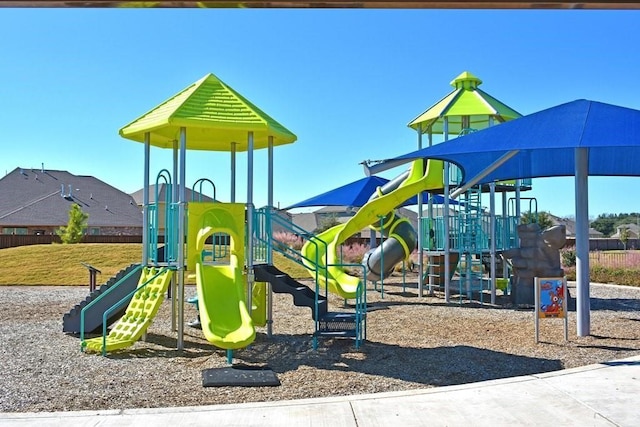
(233, 171)
(268, 214)
(583, 299)
(249, 238)
(145, 199)
(492, 233)
(445, 216)
(181, 232)
(420, 229)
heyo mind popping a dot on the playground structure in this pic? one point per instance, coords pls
(399, 236)
(473, 235)
(462, 233)
(466, 230)
(229, 246)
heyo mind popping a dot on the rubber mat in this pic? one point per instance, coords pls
(239, 376)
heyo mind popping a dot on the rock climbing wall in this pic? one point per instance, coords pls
(537, 256)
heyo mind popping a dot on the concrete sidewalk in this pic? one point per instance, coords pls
(596, 395)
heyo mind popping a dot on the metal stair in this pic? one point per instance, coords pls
(282, 283)
(93, 319)
(328, 324)
(338, 325)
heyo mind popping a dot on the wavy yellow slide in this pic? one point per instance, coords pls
(141, 311)
(226, 322)
(322, 252)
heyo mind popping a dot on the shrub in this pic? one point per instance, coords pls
(326, 223)
(570, 273)
(568, 256)
(354, 253)
(606, 267)
(541, 218)
(618, 276)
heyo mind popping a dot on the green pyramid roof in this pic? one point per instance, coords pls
(214, 115)
(465, 100)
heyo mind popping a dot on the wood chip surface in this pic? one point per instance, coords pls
(412, 342)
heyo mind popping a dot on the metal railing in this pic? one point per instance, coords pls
(433, 229)
(264, 219)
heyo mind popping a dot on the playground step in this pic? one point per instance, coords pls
(303, 296)
(352, 333)
(337, 322)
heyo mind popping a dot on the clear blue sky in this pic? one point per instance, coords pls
(346, 82)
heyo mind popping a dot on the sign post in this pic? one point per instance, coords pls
(551, 302)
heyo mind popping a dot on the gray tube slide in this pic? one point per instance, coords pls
(400, 238)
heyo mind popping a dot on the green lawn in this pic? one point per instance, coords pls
(58, 264)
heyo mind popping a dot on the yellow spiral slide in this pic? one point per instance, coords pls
(320, 254)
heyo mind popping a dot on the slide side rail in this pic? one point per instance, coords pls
(266, 239)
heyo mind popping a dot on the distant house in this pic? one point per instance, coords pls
(632, 229)
(310, 221)
(161, 192)
(162, 195)
(37, 201)
(570, 226)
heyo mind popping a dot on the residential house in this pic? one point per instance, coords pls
(311, 221)
(37, 201)
(570, 226)
(633, 231)
(160, 192)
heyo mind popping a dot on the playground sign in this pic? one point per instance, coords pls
(551, 301)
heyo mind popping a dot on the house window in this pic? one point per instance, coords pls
(14, 230)
(94, 231)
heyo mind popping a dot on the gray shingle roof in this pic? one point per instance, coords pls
(31, 197)
(188, 194)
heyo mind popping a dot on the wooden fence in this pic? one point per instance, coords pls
(623, 259)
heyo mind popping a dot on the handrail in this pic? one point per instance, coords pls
(201, 181)
(287, 251)
(292, 254)
(95, 301)
(118, 304)
(165, 175)
(319, 270)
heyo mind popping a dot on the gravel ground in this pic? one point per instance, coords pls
(412, 342)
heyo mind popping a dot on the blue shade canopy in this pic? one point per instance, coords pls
(543, 144)
(356, 194)
(579, 138)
